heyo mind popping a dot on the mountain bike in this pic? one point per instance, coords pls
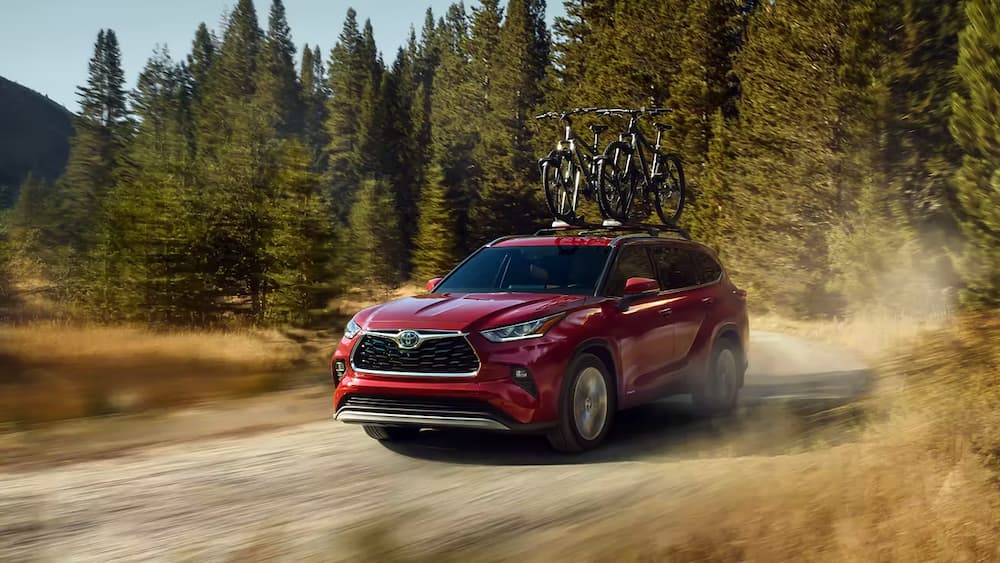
(632, 163)
(572, 163)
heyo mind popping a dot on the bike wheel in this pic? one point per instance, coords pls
(669, 194)
(558, 180)
(616, 182)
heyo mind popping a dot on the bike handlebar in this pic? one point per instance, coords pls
(633, 112)
(564, 114)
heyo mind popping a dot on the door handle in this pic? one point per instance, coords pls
(708, 300)
(667, 311)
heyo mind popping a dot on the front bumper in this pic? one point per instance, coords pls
(488, 400)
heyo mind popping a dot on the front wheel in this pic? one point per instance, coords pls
(668, 194)
(391, 433)
(586, 406)
(616, 181)
(559, 183)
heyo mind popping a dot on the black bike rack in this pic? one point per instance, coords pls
(594, 229)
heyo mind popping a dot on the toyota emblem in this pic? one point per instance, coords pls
(409, 339)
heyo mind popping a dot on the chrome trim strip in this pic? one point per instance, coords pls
(350, 416)
(425, 335)
(412, 373)
(391, 334)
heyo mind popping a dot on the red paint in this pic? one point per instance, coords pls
(555, 241)
(635, 286)
(657, 340)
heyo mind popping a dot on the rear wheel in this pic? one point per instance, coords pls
(586, 406)
(391, 433)
(669, 191)
(718, 390)
(559, 181)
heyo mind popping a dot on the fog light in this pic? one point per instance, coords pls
(522, 377)
(339, 369)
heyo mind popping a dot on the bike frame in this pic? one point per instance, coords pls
(639, 147)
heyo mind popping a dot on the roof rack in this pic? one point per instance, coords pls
(623, 230)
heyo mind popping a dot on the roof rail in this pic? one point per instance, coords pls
(621, 231)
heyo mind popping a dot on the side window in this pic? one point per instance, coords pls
(633, 262)
(676, 267)
(708, 269)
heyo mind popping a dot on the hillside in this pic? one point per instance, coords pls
(34, 137)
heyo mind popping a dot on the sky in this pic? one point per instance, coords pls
(45, 44)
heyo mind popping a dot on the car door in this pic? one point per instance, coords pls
(678, 274)
(640, 327)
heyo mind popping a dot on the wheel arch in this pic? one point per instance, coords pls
(601, 348)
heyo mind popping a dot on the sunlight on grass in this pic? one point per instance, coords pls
(54, 371)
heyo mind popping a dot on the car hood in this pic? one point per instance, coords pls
(462, 311)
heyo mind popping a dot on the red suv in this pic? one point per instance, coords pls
(547, 333)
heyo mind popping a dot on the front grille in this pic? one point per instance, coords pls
(432, 406)
(442, 356)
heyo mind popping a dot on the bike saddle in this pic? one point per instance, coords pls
(663, 126)
(597, 129)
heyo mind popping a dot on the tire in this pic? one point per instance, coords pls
(391, 433)
(616, 182)
(587, 406)
(558, 181)
(670, 190)
(718, 391)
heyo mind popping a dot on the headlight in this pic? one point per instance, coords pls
(522, 331)
(352, 329)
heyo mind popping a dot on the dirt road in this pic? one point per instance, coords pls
(301, 486)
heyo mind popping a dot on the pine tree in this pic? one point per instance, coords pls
(976, 130)
(96, 150)
(922, 156)
(231, 81)
(509, 200)
(434, 251)
(234, 143)
(375, 231)
(351, 67)
(804, 72)
(203, 52)
(149, 232)
(454, 126)
(301, 254)
(704, 86)
(371, 151)
(278, 92)
(315, 94)
(406, 157)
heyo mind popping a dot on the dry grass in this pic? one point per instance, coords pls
(871, 335)
(922, 485)
(52, 371)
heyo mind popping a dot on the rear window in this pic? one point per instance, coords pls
(529, 269)
(676, 266)
(708, 269)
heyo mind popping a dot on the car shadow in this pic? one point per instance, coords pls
(776, 415)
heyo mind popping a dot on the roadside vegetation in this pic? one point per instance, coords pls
(54, 371)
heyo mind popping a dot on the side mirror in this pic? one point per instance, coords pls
(635, 286)
(431, 284)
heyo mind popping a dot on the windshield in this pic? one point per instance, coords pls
(529, 269)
